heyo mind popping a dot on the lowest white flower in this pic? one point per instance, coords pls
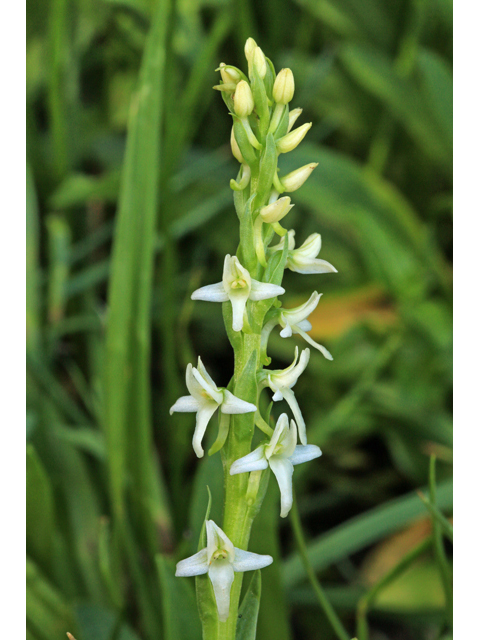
(304, 259)
(295, 321)
(205, 399)
(220, 559)
(281, 382)
(237, 286)
(280, 454)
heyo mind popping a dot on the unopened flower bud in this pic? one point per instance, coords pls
(284, 87)
(293, 139)
(260, 63)
(250, 47)
(292, 118)
(295, 179)
(237, 154)
(243, 99)
(229, 75)
(277, 210)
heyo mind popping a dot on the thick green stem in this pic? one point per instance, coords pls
(239, 514)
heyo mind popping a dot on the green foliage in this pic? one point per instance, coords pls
(129, 211)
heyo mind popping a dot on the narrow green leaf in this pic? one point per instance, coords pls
(127, 367)
(48, 615)
(39, 510)
(32, 266)
(248, 612)
(179, 609)
(59, 240)
(273, 615)
(108, 563)
(444, 523)
(374, 71)
(361, 531)
(94, 621)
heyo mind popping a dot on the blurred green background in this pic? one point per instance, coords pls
(129, 210)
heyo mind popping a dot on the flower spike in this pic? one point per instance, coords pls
(220, 559)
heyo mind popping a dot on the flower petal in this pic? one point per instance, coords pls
(325, 352)
(305, 453)
(289, 376)
(289, 441)
(286, 332)
(221, 576)
(305, 325)
(217, 539)
(283, 470)
(293, 404)
(254, 461)
(204, 373)
(185, 404)
(232, 404)
(297, 314)
(238, 298)
(265, 290)
(196, 565)
(306, 266)
(195, 388)
(204, 414)
(280, 428)
(248, 561)
(211, 293)
(211, 390)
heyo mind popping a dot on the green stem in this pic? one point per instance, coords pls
(239, 514)
(439, 549)
(367, 600)
(327, 608)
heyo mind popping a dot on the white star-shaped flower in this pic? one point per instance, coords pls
(220, 559)
(204, 400)
(304, 259)
(281, 382)
(296, 321)
(280, 454)
(237, 286)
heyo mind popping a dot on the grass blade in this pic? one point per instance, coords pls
(359, 532)
(127, 391)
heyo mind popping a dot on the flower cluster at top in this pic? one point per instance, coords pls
(251, 283)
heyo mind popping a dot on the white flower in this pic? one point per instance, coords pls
(292, 139)
(276, 210)
(220, 559)
(281, 383)
(284, 87)
(295, 321)
(293, 117)
(237, 286)
(205, 399)
(281, 453)
(304, 259)
(294, 180)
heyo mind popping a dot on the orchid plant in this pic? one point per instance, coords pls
(249, 290)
